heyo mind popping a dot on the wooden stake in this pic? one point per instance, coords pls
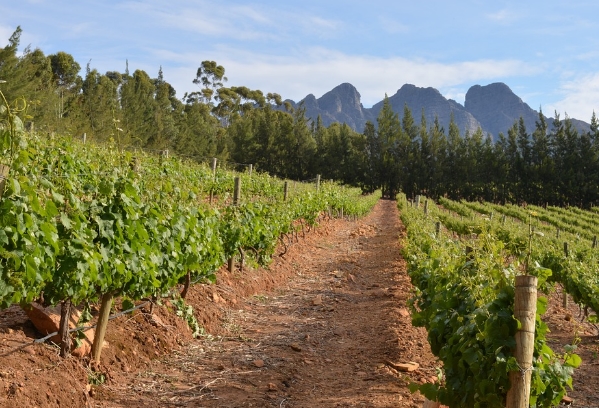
(317, 183)
(135, 164)
(101, 326)
(565, 294)
(3, 176)
(214, 167)
(285, 191)
(63, 330)
(525, 310)
(237, 191)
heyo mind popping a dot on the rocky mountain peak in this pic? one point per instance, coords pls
(344, 97)
(494, 108)
(498, 107)
(434, 105)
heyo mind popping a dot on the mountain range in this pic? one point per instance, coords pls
(494, 108)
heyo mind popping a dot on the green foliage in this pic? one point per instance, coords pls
(465, 297)
(77, 222)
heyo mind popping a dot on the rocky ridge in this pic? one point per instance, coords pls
(494, 108)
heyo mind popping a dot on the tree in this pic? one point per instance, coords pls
(8, 65)
(139, 107)
(454, 171)
(166, 101)
(524, 160)
(389, 131)
(437, 160)
(541, 172)
(65, 75)
(97, 108)
(210, 76)
(302, 148)
(558, 151)
(372, 158)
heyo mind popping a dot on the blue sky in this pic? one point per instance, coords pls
(547, 52)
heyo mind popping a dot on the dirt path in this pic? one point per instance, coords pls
(323, 339)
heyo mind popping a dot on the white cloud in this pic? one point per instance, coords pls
(392, 26)
(323, 23)
(244, 23)
(455, 93)
(581, 97)
(504, 16)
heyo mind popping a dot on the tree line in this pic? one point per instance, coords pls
(553, 164)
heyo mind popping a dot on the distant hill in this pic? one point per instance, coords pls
(494, 108)
(434, 105)
(341, 104)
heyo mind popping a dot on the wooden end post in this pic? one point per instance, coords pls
(565, 294)
(101, 326)
(525, 310)
(3, 175)
(237, 191)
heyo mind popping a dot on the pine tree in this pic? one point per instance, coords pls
(389, 133)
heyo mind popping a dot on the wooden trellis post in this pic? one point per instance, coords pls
(214, 160)
(3, 175)
(101, 326)
(237, 191)
(213, 178)
(236, 198)
(565, 294)
(525, 310)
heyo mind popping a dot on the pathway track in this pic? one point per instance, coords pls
(324, 339)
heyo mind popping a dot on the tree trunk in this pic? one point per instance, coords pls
(186, 286)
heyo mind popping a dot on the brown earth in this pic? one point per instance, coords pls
(324, 326)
